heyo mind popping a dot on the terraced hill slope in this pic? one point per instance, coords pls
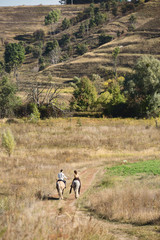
(145, 39)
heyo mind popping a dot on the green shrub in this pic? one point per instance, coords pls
(65, 40)
(35, 115)
(42, 67)
(28, 49)
(103, 38)
(8, 141)
(41, 60)
(36, 52)
(51, 45)
(65, 23)
(84, 95)
(82, 48)
(39, 35)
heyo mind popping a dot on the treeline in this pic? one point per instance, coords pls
(99, 1)
(133, 95)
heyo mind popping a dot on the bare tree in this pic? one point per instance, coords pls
(43, 93)
(55, 55)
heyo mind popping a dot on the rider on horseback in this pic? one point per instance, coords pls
(76, 177)
(61, 177)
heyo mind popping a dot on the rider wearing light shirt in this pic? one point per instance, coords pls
(61, 177)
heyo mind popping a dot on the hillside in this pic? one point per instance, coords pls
(19, 23)
(144, 40)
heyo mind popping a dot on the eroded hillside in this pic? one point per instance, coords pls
(19, 23)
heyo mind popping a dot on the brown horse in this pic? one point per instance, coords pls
(60, 188)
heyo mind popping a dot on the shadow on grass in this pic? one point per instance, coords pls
(50, 198)
(43, 197)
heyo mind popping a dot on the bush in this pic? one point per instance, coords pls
(28, 49)
(8, 98)
(65, 40)
(39, 35)
(35, 115)
(127, 7)
(36, 52)
(51, 45)
(42, 67)
(82, 48)
(84, 95)
(103, 38)
(65, 23)
(8, 141)
(41, 60)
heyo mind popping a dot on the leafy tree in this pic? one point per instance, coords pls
(52, 17)
(82, 48)
(36, 52)
(28, 49)
(51, 45)
(39, 34)
(113, 95)
(103, 38)
(8, 99)
(115, 10)
(14, 56)
(8, 141)
(81, 31)
(35, 115)
(84, 95)
(115, 54)
(65, 23)
(143, 86)
(65, 40)
(132, 21)
(1, 68)
(100, 18)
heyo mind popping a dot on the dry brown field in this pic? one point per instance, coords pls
(89, 145)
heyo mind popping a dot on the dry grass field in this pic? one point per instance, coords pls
(88, 145)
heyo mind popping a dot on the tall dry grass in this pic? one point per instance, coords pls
(42, 149)
(131, 204)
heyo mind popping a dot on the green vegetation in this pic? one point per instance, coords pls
(8, 141)
(84, 96)
(103, 38)
(51, 45)
(35, 115)
(82, 48)
(39, 35)
(8, 99)
(14, 56)
(143, 86)
(65, 23)
(52, 17)
(127, 169)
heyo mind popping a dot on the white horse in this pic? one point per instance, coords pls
(60, 188)
(76, 186)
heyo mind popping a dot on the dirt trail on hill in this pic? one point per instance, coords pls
(65, 213)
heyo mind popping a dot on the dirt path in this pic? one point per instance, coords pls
(66, 213)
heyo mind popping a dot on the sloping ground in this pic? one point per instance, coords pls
(144, 40)
(24, 20)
